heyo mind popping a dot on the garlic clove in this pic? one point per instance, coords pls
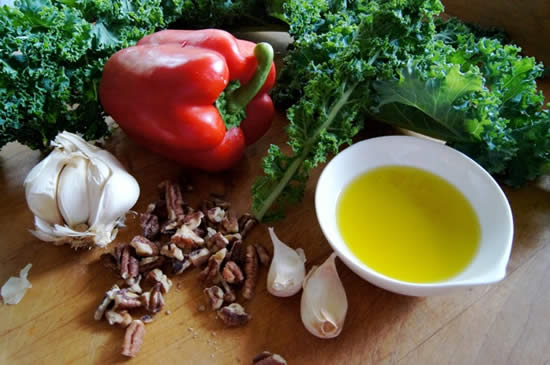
(324, 303)
(41, 187)
(98, 174)
(72, 192)
(287, 270)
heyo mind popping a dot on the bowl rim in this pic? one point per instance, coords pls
(400, 286)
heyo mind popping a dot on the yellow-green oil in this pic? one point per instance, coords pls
(408, 224)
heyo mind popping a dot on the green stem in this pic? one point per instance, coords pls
(239, 99)
(295, 165)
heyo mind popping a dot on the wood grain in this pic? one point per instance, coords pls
(505, 323)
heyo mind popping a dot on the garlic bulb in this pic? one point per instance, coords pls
(324, 304)
(287, 270)
(79, 193)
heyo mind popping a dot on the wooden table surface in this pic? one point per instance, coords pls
(504, 323)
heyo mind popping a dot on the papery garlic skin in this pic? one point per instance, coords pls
(79, 193)
(324, 303)
(15, 288)
(287, 270)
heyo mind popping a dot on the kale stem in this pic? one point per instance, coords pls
(297, 163)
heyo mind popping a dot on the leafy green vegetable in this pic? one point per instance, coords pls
(397, 62)
(52, 55)
(340, 49)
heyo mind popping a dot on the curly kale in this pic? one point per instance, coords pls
(396, 61)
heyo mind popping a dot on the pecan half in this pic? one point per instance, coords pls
(133, 338)
(250, 271)
(144, 247)
(216, 214)
(149, 263)
(149, 224)
(172, 251)
(233, 315)
(218, 202)
(153, 300)
(106, 302)
(214, 294)
(199, 257)
(185, 237)
(174, 201)
(210, 273)
(123, 318)
(267, 358)
(230, 224)
(135, 287)
(232, 273)
(156, 276)
(263, 254)
(246, 223)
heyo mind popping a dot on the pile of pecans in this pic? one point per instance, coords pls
(176, 237)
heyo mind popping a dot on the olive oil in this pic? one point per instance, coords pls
(408, 224)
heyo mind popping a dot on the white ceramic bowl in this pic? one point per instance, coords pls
(481, 190)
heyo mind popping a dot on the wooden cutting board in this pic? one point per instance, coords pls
(502, 323)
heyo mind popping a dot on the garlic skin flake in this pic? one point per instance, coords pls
(324, 303)
(79, 194)
(287, 270)
(15, 288)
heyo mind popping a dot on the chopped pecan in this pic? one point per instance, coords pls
(123, 318)
(169, 227)
(235, 251)
(210, 273)
(232, 273)
(206, 206)
(177, 267)
(210, 232)
(174, 201)
(172, 251)
(214, 294)
(199, 257)
(246, 223)
(250, 271)
(135, 287)
(186, 238)
(144, 247)
(230, 224)
(216, 242)
(109, 261)
(156, 276)
(200, 232)
(229, 296)
(153, 300)
(263, 254)
(233, 315)
(106, 302)
(233, 237)
(267, 358)
(149, 263)
(147, 318)
(149, 224)
(129, 265)
(216, 214)
(125, 299)
(193, 220)
(133, 338)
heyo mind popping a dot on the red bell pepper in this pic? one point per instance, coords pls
(162, 93)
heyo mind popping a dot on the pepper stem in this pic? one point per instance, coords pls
(240, 98)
